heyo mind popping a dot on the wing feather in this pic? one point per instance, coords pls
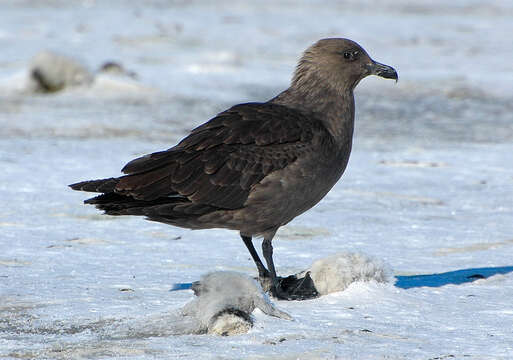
(221, 160)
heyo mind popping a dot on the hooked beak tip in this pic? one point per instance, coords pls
(384, 71)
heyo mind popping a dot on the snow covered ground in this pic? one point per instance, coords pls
(428, 190)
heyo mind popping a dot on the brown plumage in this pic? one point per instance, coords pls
(255, 166)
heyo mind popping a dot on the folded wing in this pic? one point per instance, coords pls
(220, 161)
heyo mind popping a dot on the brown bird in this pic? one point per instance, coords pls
(255, 166)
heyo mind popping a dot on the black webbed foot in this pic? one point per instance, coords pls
(295, 288)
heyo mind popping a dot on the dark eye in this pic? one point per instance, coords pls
(351, 55)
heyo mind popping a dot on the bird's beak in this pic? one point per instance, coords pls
(383, 70)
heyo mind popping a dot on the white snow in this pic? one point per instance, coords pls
(428, 189)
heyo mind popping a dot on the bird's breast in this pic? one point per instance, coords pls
(287, 193)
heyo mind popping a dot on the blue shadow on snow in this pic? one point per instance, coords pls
(181, 286)
(457, 277)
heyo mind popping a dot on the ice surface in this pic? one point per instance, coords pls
(428, 189)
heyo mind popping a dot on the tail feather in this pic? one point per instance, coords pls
(116, 204)
(100, 185)
(173, 208)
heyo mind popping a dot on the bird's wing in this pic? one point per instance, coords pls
(219, 162)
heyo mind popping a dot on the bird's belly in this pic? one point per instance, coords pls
(287, 193)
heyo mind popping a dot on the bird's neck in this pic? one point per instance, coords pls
(334, 107)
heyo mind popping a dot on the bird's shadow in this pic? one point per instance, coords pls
(456, 277)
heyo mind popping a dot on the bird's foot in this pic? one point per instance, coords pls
(295, 288)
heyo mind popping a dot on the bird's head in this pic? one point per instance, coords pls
(340, 63)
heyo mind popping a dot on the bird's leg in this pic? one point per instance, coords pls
(263, 273)
(267, 250)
